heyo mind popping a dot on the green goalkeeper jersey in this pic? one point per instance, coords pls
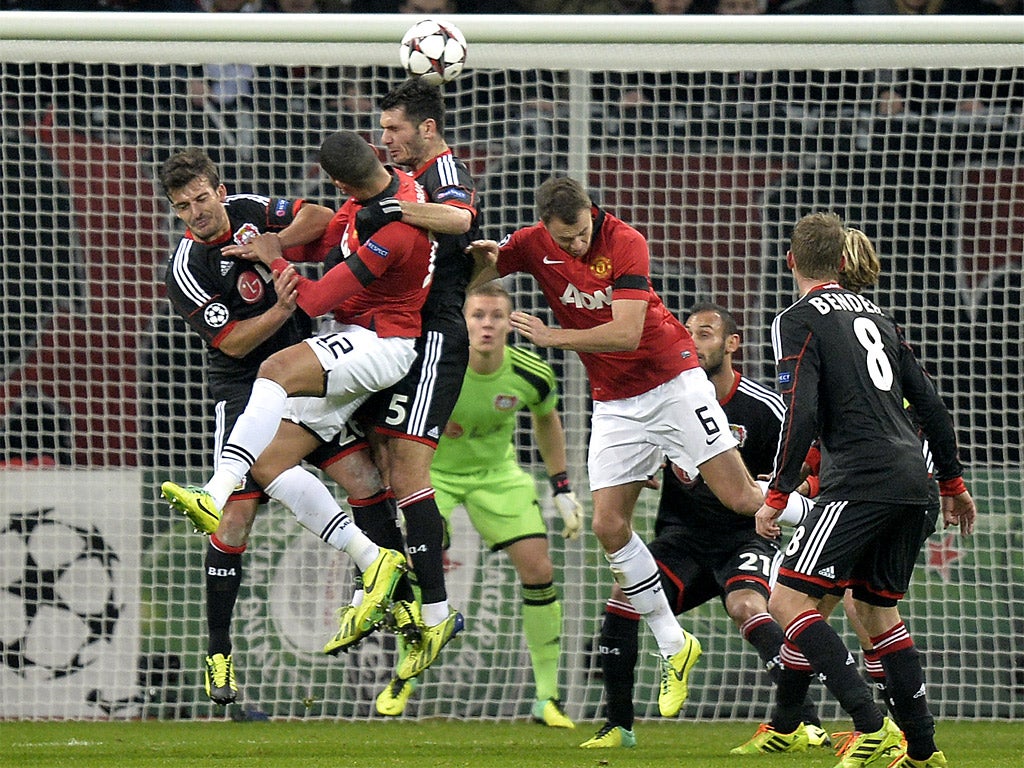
(479, 432)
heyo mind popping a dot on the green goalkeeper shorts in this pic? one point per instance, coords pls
(501, 503)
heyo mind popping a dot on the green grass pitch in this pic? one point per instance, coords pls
(435, 744)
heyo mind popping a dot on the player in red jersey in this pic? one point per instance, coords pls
(651, 397)
(408, 418)
(376, 293)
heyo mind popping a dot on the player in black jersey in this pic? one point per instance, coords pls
(843, 371)
(860, 270)
(704, 549)
(412, 414)
(244, 313)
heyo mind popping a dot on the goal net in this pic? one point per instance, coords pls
(712, 136)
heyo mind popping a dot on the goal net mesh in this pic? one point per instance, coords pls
(713, 164)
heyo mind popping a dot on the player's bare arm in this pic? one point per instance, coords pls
(246, 335)
(621, 334)
(550, 438)
(437, 217)
(485, 253)
(309, 223)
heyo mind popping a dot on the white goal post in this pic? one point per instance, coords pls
(712, 135)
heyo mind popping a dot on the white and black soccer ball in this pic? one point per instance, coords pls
(59, 594)
(434, 50)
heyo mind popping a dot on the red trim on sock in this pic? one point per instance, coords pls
(758, 620)
(369, 501)
(896, 638)
(226, 548)
(625, 610)
(797, 626)
(421, 495)
(791, 658)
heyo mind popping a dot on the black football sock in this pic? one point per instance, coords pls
(762, 632)
(791, 689)
(223, 580)
(875, 677)
(905, 676)
(377, 517)
(619, 648)
(832, 660)
(424, 536)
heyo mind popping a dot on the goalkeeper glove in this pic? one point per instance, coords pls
(567, 505)
(377, 214)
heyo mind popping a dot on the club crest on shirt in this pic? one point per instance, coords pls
(453, 430)
(505, 402)
(250, 287)
(739, 431)
(246, 233)
(601, 266)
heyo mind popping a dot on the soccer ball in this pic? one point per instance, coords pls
(59, 595)
(434, 51)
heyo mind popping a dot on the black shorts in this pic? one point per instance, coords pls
(870, 547)
(232, 399)
(418, 406)
(693, 573)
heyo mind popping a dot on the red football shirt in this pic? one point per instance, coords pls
(381, 284)
(580, 294)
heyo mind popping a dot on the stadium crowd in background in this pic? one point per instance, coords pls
(574, 7)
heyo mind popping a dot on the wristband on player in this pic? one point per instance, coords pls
(813, 485)
(952, 487)
(560, 483)
(813, 459)
(776, 499)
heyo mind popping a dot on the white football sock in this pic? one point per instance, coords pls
(316, 509)
(636, 571)
(252, 433)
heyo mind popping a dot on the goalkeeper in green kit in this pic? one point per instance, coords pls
(475, 466)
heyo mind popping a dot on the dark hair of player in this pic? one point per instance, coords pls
(182, 167)
(729, 324)
(419, 100)
(348, 158)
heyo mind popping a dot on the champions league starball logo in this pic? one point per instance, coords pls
(60, 595)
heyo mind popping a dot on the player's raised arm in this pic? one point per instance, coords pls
(485, 253)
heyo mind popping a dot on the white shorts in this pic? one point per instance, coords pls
(356, 362)
(681, 418)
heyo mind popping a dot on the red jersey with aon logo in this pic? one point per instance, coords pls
(580, 294)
